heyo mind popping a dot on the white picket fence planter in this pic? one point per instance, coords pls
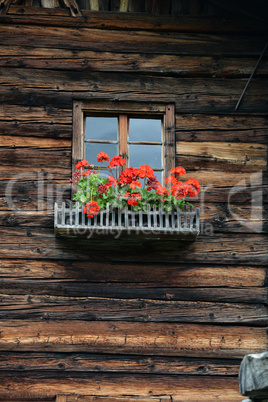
(69, 220)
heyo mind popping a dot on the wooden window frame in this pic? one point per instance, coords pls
(125, 110)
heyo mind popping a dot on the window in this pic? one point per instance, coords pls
(140, 133)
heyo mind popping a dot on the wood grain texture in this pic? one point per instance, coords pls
(81, 362)
(133, 41)
(235, 154)
(37, 115)
(151, 275)
(180, 389)
(153, 291)
(125, 337)
(87, 60)
(37, 308)
(218, 248)
(130, 21)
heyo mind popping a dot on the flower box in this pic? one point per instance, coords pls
(71, 221)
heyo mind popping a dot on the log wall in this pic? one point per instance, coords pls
(167, 323)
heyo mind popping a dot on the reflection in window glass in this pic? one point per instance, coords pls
(145, 155)
(93, 149)
(148, 130)
(101, 128)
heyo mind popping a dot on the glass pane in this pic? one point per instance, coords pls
(93, 149)
(101, 128)
(145, 130)
(159, 176)
(145, 155)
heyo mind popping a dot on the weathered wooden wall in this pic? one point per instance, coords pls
(158, 326)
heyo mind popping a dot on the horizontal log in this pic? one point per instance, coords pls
(224, 123)
(132, 338)
(130, 21)
(131, 41)
(112, 363)
(151, 275)
(42, 157)
(218, 102)
(235, 154)
(33, 142)
(221, 135)
(186, 103)
(182, 65)
(26, 114)
(20, 128)
(213, 249)
(27, 204)
(181, 388)
(208, 163)
(72, 288)
(48, 178)
(35, 308)
(90, 82)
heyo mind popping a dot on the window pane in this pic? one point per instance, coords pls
(159, 176)
(145, 130)
(145, 155)
(93, 149)
(101, 128)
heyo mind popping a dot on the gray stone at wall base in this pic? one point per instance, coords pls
(253, 377)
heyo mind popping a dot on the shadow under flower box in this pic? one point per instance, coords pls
(70, 221)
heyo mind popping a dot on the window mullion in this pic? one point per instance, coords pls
(123, 125)
(169, 140)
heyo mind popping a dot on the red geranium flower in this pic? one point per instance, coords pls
(86, 173)
(152, 184)
(133, 199)
(127, 176)
(162, 191)
(178, 171)
(82, 164)
(117, 161)
(193, 187)
(171, 179)
(91, 209)
(102, 156)
(134, 184)
(179, 190)
(112, 180)
(146, 171)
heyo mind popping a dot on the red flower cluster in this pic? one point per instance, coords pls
(134, 184)
(87, 173)
(102, 189)
(146, 170)
(91, 209)
(193, 187)
(102, 156)
(179, 189)
(178, 171)
(162, 190)
(117, 161)
(132, 198)
(82, 164)
(112, 180)
(152, 184)
(128, 176)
